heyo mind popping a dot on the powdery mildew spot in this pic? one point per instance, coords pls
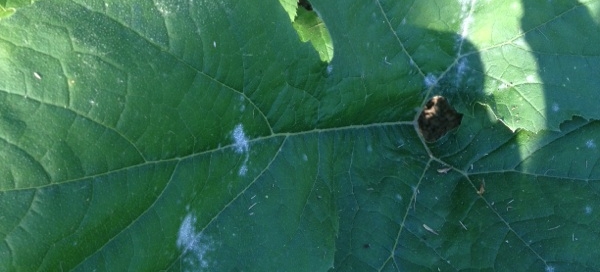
(461, 68)
(194, 243)
(549, 268)
(430, 80)
(398, 197)
(242, 106)
(466, 15)
(166, 8)
(555, 107)
(502, 86)
(243, 170)
(588, 210)
(241, 146)
(530, 78)
(591, 144)
(240, 141)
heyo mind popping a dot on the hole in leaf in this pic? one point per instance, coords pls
(309, 26)
(437, 118)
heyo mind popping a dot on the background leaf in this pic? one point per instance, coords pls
(203, 135)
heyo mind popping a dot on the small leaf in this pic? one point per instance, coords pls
(311, 28)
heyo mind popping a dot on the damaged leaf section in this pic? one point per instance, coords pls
(437, 118)
(310, 27)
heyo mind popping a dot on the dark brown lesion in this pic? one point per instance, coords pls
(437, 118)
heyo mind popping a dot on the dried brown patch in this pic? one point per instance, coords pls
(437, 118)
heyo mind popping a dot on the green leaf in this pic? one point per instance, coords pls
(541, 70)
(206, 136)
(6, 12)
(311, 28)
(290, 6)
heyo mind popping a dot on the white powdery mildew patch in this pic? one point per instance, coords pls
(461, 68)
(240, 141)
(588, 210)
(194, 243)
(166, 8)
(591, 144)
(555, 107)
(549, 268)
(430, 80)
(466, 16)
(241, 146)
(329, 69)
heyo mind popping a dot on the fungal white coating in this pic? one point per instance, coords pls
(243, 170)
(464, 27)
(241, 146)
(502, 86)
(430, 80)
(590, 144)
(461, 68)
(466, 15)
(555, 107)
(240, 141)
(193, 245)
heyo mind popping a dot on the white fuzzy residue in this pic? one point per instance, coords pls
(430, 80)
(461, 68)
(240, 141)
(591, 144)
(193, 245)
(466, 16)
(241, 146)
(166, 8)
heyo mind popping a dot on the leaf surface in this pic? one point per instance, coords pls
(206, 136)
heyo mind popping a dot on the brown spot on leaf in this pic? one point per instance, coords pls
(437, 118)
